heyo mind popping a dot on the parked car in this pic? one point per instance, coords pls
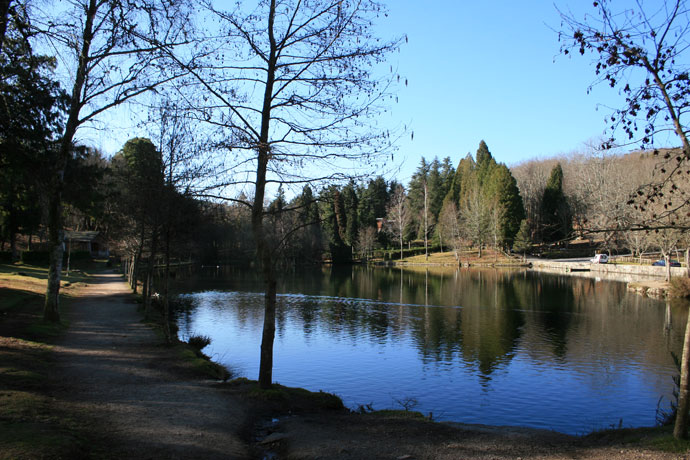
(662, 263)
(600, 259)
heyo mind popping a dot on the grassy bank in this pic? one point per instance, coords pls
(31, 423)
(470, 257)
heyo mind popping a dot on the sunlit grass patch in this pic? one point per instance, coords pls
(448, 257)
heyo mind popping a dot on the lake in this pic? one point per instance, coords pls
(494, 347)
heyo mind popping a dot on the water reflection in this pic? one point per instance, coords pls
(482, 346)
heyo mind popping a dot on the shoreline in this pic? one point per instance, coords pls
(647, 281)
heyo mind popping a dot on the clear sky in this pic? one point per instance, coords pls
(480, 70)
(492, 70)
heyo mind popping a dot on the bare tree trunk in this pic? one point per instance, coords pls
(13, 243)
(680, 430)
(426, 225)
(262, 244)
(51, 309)
(55, 230)
(667, 259)
(149, 273)
(166, 288)
(137, 259)
(687, 262)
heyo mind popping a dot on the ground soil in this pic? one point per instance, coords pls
(113, 372)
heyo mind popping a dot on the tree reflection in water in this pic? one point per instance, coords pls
(511, 339)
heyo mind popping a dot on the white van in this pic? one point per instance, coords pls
(600, 259)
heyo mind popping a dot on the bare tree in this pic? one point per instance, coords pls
(643, 51)
(531, 178)
(494, 221)
(112, 51)
(294, 102)
(449, 226)
(474, 221)
(366, 240)
(398, 215)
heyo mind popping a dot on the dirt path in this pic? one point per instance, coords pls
(111, 368)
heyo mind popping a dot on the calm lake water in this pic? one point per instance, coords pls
(474, 346)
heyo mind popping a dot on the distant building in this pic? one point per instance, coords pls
(93, 242)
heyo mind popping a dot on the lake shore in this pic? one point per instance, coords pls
(111, 389)
(641, 279)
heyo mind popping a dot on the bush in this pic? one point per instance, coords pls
(5, 257)
(199, 342)
(680, 287)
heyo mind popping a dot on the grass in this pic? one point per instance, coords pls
(656, 438)
(286, 399)
(30, 424)
(195, 362)
(489, 257)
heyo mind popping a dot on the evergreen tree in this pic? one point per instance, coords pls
(502, 190)
(485, 163)
(436, 190)
(555, 212)
(350, 203)
(522, 243)
(418, 189)
(309, 245)
(455, 191)
(339, 251)
(372, 203)
(31, 116)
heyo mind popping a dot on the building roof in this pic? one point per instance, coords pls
(80, 236)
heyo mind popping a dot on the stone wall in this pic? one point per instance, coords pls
(616, 272)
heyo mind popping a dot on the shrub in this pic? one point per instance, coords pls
(680, 287)
(199, 342)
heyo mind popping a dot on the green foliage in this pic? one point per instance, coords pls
(351, 204)
(555, 211)
(485, 163)
(339, 251)
(199, 342)
(372, 202)
(31, 115)
(502, 189)
(523, 242)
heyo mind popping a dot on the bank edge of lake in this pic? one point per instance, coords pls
(644, 280)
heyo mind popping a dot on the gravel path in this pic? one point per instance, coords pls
(111, 368)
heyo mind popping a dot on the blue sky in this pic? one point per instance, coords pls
(492, 71)
(477, 70)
